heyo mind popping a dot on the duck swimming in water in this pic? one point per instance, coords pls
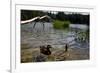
(66, 48)
(45, 50)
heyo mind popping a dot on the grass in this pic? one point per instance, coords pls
(57, 24)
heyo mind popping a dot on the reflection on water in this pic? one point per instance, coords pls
(58, 38)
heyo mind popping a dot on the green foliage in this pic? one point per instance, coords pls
(57, 24)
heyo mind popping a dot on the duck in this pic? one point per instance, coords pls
(66, 47)
(45, 50)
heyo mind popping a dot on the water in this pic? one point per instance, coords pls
(79, 26)
(57, 38)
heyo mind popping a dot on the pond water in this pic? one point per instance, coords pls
(57, 38)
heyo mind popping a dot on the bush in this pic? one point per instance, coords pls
(57, 24)
(66, 24)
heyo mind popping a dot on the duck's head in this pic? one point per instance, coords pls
(49, 46)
